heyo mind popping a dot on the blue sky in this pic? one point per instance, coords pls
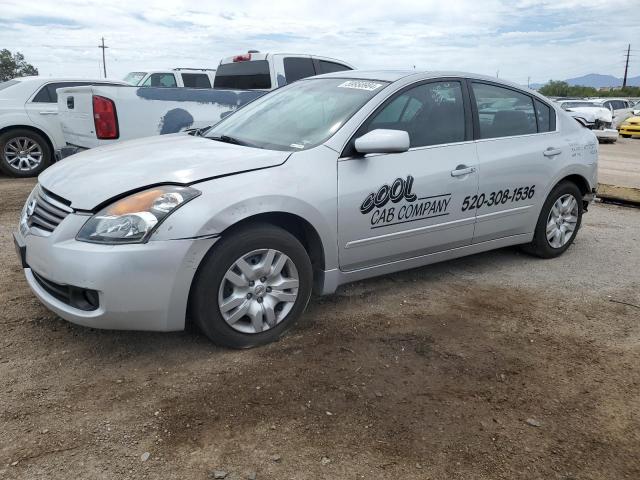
(521, 38)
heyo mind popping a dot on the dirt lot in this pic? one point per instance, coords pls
(497, 366)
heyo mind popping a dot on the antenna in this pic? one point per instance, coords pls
(104, 64)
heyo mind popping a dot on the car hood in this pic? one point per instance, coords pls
(92, 177)
(591, 114)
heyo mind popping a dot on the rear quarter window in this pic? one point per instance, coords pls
(545, 116)
(330, 67)
(196, 80)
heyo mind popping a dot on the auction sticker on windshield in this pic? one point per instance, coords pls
(360, 85)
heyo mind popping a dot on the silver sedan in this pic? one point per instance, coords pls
(331, 179)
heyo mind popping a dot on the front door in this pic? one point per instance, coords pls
(402, 205)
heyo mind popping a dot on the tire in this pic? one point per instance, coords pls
(256, 292)
(13, 164)
(625, 136)
(543, 247)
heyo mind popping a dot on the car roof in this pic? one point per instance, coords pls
(41, 79)
(417, 75)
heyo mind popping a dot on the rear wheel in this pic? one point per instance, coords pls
(23, 153)
(559, 222)
(252, 287)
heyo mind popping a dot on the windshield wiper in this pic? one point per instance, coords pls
(228, 139)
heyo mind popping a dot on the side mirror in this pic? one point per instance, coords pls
(383, 141)
(635, 112)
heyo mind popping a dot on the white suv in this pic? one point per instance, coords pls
(29, 128)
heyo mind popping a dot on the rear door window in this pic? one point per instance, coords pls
(503, 112)
(196, 80)
(160, 80)
(250, 75)
(296, 68)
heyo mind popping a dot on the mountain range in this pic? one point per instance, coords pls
(596, 80)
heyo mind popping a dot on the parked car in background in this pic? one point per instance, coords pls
(630, 127)
(592, 116)
(30, 130)
(326, 181)
(621, 108)
(101, 115)
(176, 78)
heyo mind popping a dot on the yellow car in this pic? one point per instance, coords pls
(631, 126)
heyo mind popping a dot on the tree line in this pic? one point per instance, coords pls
(562, 89)
(14, 65)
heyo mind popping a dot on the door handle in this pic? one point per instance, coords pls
(462, 170)
(48, 113)
(551, 152)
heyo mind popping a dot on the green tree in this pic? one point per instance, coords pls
(12, 66)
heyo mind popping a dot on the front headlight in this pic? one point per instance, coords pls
(133, 218)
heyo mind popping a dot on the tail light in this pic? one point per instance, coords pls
(242, 58)
(105, 118)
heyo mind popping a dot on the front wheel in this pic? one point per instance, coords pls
(252, 287)
(625, 136)
(558, 223)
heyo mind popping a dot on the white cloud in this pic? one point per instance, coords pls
(541, 39)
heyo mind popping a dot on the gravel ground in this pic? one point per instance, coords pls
(496, 366)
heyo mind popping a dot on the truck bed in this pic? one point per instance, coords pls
(145, 111)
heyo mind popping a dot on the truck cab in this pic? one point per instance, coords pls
(175, 78)
(266, 71)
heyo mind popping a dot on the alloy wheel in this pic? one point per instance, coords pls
(23, 154)
(258, 291)
(562, 221)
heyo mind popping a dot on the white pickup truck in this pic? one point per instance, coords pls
(95, 116)
(177, 77)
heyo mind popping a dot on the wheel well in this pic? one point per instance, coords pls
(34, 130)
(295, 225)
(579, 181)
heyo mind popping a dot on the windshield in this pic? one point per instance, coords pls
(8, 83)
(297, 117)
(133, 78)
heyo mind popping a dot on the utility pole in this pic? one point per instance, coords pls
(104, 65)
(626, 67)
(528, 82)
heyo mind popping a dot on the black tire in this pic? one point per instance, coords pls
(625, 136)
(47, 154)
(204, 308)
(540, 246)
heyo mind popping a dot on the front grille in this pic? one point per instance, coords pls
(47, 210)
(80, 298)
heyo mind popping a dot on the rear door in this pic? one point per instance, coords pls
(518, 147)
(402, 205)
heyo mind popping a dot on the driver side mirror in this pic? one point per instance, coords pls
(383, 141)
